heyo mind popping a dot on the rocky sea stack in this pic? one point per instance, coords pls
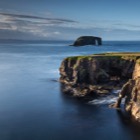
(87, 40)
(96, 75)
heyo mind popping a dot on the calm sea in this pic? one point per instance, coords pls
(32, 106)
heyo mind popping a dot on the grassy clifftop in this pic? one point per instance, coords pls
(98, 74)
(98, 68)
(121, 55)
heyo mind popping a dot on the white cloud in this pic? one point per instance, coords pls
(42, 27)
(35, 25)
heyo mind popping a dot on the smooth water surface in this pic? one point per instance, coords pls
(32, 106)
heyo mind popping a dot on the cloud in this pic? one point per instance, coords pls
(127, 26)
(23, 26)
(32, 17)
(106, 25)
(31, 25)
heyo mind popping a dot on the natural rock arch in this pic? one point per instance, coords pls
(88, 40)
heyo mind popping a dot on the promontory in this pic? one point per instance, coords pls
(98, 74)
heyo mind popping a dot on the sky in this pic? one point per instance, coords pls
(69, 19)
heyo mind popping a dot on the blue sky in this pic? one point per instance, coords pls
(69, 19)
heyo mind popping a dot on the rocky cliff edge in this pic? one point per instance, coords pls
(97, 75)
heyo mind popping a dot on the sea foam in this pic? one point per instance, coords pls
(104, 100)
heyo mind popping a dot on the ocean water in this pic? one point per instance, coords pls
(32, 106)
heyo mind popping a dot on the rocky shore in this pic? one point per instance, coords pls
(98, 74)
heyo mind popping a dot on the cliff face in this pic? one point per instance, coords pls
(131, 90)
(84, 76)
(95, 69)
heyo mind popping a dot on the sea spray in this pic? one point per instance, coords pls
(107, 99)
(104, 100)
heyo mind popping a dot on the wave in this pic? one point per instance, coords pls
(103, 100)
(116, 91)
(108, 99)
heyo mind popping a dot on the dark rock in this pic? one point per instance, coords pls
(88, 40)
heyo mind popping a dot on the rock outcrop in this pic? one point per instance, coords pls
(88, 40)
(131, 91)
(97, 75)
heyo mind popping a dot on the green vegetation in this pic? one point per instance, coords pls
(89, 57)
(118, 55)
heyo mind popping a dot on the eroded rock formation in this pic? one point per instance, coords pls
(88, 40)
(95, 75)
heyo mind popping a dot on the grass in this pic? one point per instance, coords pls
(122, 55)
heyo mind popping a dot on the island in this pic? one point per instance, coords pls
(98, 74)
(87, 40)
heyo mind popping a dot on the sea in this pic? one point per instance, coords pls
(32, 106)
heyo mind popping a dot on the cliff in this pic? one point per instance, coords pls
(97, 75)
